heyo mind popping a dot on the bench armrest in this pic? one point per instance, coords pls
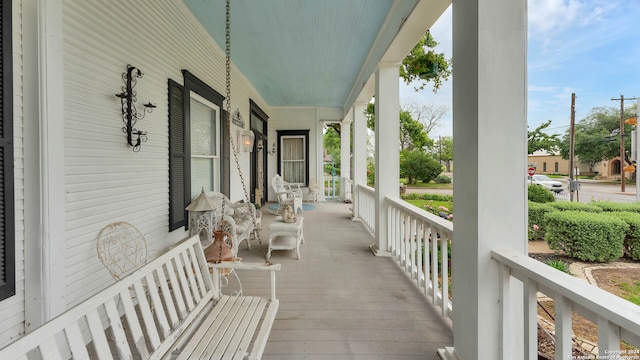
(271, 268)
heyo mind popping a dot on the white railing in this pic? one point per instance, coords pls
(365, 206)
(617, 319)
(561, 197)
(331, 186)
(420, 241)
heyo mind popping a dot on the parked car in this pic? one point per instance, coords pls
(547, 182)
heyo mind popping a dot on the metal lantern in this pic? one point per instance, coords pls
(202, 218)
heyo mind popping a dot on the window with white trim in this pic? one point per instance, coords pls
(205, 145)
(293, 146)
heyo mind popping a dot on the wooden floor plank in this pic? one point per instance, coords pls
(339, 301)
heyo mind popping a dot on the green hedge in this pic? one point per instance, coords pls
(435, 197)
(614, 206)
(585, 235)
(536, 217)
(537, 193)
(631, 244)
(575, 206)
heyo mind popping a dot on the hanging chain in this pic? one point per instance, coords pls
(228, 115)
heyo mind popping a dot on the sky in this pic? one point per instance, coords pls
(587, 47)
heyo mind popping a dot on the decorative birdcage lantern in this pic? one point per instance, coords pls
(202, 218)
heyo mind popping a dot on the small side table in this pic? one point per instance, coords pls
(285, 236)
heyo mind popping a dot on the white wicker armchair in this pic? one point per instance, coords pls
(287, 194)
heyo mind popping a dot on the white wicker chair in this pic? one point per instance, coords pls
(287, 194)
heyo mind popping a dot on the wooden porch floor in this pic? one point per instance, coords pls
(341, 302)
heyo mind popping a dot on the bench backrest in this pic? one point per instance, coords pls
(151, 307)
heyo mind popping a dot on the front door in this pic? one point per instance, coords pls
(259, 155)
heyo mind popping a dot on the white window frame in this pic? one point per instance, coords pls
(304, 159)
(217, 164)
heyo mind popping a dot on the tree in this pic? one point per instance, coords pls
(539, 140)
(443, 150)
(331, 142)
(429, 115)
(418, 165)
(425, 66)
(412, 134)
(597, 136)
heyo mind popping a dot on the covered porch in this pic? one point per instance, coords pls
(340, 302)
(74, 172)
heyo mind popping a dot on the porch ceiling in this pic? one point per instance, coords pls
(310, 53)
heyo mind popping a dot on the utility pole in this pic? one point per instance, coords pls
(572, 129)
(622, 157)
(440, 148)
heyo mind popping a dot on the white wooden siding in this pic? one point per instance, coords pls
(12, 309)
(105, 181)
(296, 118)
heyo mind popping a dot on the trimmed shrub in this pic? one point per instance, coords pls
(536, 219)
(539, 194)
(575, 206)
(615, 206)
(631, 244)
(585, 235)
(437, 197)
(410, 196)
(443, 179)
(558, 265)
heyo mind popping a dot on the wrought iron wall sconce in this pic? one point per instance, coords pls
(273, 149)
(130, 114)
(260, 146)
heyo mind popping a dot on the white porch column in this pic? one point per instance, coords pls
(359, 151)
(44, 161)
(490, 140)
(387, 151)
(345, 155)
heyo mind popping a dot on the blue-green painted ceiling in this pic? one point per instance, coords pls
(303, 52)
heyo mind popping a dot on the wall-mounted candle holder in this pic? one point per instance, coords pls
(130, 114)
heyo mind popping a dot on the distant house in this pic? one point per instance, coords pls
(546, 163)
(549, 163)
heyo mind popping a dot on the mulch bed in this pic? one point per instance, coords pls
(543, 257)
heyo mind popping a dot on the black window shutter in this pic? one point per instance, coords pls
(7, 227)
(178, 157)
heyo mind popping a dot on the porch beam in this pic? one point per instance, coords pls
(489, 132)
(387, 151)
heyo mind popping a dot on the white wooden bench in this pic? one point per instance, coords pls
(171, 308)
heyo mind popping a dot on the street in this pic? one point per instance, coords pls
(596, 190)
(589, 190)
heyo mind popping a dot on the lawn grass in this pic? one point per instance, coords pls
(434, 203)
(631, 292)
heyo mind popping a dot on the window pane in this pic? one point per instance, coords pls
(203, 129)
(294, 172)
(201, 175)
(293, 148)
(257, 123)
(293, 159)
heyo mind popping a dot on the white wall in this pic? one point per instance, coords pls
(105, 181)
(300, 118)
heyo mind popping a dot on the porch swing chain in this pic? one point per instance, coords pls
(228, 115)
